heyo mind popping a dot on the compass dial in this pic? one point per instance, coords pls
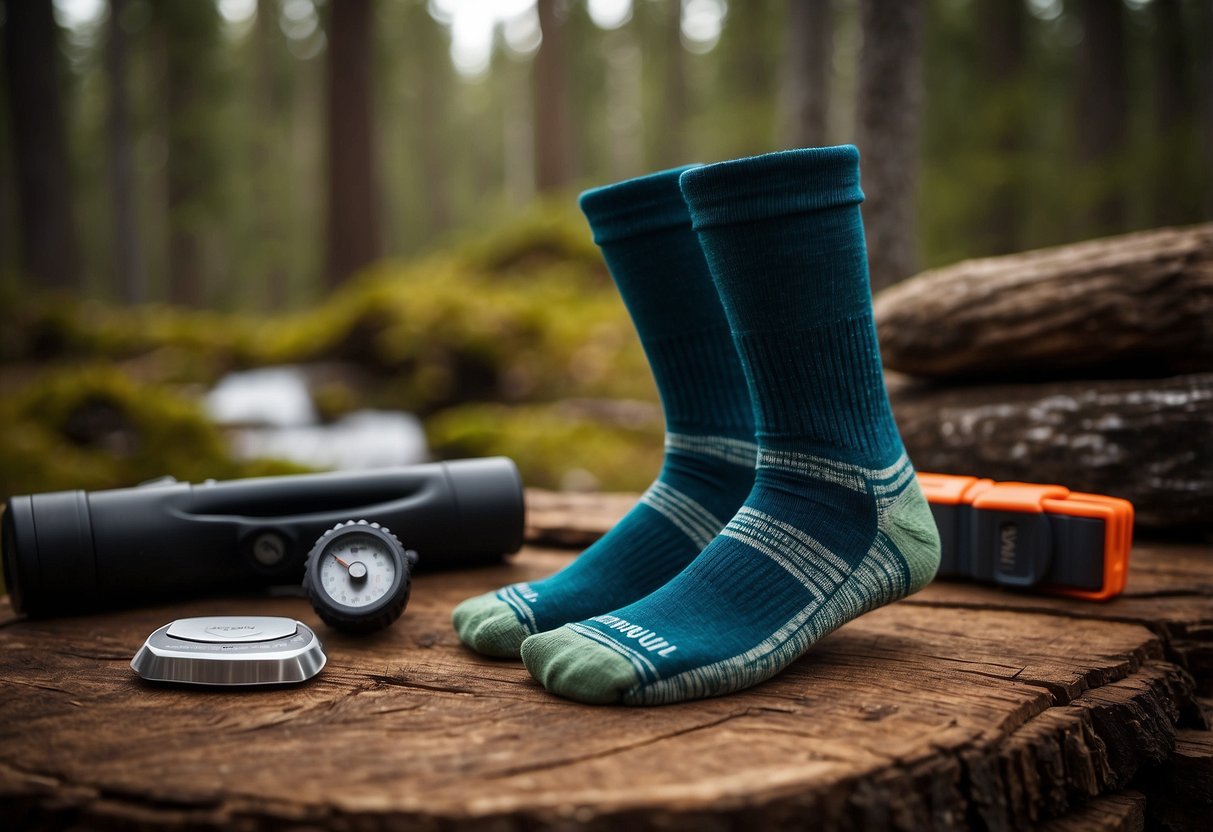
(357, 570)
(358, 576)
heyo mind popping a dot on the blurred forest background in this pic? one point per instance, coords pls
(380, 194)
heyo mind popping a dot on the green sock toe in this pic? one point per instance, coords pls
(577, 668)
(488, 625)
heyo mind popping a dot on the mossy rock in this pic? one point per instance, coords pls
(95, 427)
(524, 312)
(562, 445)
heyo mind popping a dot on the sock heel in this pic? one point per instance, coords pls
(909, 525)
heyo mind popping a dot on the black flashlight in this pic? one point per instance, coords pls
(76, 551)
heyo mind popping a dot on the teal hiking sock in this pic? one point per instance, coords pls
(644, 230)
(836, 524)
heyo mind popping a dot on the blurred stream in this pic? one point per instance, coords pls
(269, 413)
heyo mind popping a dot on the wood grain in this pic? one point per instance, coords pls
(962, 707)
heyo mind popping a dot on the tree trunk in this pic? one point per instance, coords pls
(49, 249)
(353, 216)
(1204, 25)
(807, 72)
(129, 273)
(436, 156)
(1176, 109)
(267, 167)
(190, 33)
(671, 123)
(555, 160)
(1137, 304)
(1002, 27)
(1102, 107)
(890, 106)
(624, 95)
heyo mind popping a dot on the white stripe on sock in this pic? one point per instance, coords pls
(517, 602)
(735, 451)
(791, 640)
(639, 660)
(692, 519)
(828, 559)
(855, 477)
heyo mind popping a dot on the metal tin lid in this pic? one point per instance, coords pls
(231, 650)
(225, 629)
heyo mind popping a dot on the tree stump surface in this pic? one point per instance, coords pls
(964, 706)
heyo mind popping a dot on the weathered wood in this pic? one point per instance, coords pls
(1137, 304)
(1149, 441)
(1181, 790)
(938, 713)
(571, 519)
(1121, 812)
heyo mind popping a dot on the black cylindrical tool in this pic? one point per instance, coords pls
(76, 551)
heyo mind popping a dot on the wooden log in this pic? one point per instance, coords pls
(1140, 304)
(1121, 812)
(937, 715)
(1145, 440)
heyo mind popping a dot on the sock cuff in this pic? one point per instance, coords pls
(636, 206)
(772, 185)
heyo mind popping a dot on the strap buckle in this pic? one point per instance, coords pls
(1032, 535)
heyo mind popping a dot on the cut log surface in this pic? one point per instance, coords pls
(962, 707)
(1149, 441)
(1137, 304)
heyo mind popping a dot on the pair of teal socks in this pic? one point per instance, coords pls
(786, 505)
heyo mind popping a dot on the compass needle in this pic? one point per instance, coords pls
(369, 590)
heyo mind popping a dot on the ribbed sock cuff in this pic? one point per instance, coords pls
(772, 185)
(636, 206)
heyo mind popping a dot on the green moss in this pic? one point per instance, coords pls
(474, 338)
(96, 427)
(555, 445)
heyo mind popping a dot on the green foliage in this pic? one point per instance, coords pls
(521, 315)
(559, 445)
(94, 426)
(525, 312)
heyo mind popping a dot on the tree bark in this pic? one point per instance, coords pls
(353, 215)
(130, 275)
(49, 253)
(1136, 304)
(1143, 440)
(1102, 107)
(890, 99)
(807, 72)
(555, 157)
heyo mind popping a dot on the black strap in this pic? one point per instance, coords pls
(1020, 549)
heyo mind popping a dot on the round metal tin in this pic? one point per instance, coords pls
(231, 650)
